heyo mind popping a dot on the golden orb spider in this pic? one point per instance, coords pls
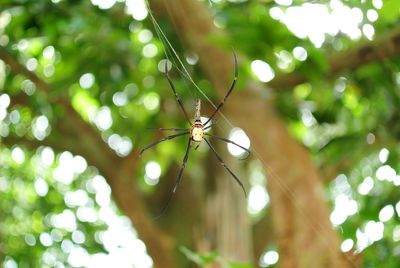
(197, 133)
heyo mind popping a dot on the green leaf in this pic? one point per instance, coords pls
(390, 11)
(85, 104)
(198, 258)
(239, 265)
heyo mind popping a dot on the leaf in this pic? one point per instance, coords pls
(199, 259)
(239, 265)
(85, 104)
(390, 10)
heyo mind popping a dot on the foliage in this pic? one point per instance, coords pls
(107, 65)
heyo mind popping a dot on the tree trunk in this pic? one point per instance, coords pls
(227, 221)
(304, 234)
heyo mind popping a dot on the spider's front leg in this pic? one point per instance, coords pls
(170, 137)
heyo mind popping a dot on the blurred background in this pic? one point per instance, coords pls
(316, 102)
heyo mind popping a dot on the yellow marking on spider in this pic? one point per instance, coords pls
(197, 134)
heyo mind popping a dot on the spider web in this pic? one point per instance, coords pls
(173, 57)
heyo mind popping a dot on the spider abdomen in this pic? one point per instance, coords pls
(197, 133)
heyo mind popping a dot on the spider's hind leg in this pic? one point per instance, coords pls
(226, 167)
(197, 146)
(178, 179)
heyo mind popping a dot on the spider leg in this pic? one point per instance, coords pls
(167, 129)
(209, 126)
(176, 94)
(178, 179)
(197, 146)
(163, 139)
(232, 142)
(229, 91)
(226, 167)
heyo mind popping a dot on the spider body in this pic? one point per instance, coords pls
(197, 129)
(197, 133)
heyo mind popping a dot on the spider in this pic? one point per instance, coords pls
(197, 133)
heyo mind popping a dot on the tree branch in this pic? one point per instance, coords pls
(17, 67)
(380, 49)
(81, 138)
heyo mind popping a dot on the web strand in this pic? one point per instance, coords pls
(169, 49)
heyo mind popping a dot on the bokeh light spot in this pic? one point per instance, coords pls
(18, 155)
(262, 70)
(386, 213)
(258, 199)
(103, 119)
(153, 172)
(300, 53)
(120, 98)
(137, 8)
(41, 187)
(86, 81)
(239, 136)
(151, 101)
(383, 155)
(47, 156)
(150, 50)
(366, 186)
(269, 258)
(145, 36)
(347, 245)
(104, 4)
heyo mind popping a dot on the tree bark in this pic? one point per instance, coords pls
(226, 212)
(301, 218)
